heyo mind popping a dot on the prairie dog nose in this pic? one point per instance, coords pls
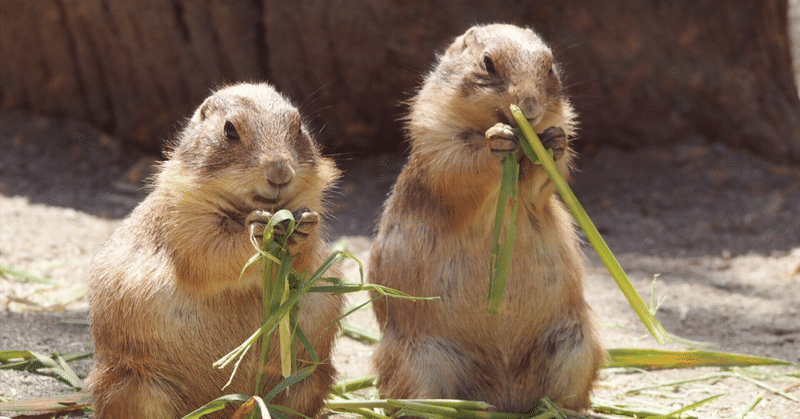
(531, 107)
(280, 173)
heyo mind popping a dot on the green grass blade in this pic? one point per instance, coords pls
(14, 359)
(216, 405)
(347, 287)
(355, 410)
(295, 378)
(467, 409)
(354, 384)
(277, 218)
(25, 276)
(54, 365)
(500, 265)
(336, 256)
(385, 403)
(594, 237)
(66, 374)
(692, 406)
(500, 212)
(306, 344)
(282, 412)
(628, 410)
(750, 407)
(359, 334)
(653, 359)
(550, 410)
(285, 336)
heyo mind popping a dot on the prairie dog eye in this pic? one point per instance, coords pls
(488, 64)
(230, 132)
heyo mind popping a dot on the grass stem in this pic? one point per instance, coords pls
(534, 149)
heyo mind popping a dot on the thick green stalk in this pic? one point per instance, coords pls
(500, 261)
(531, 142)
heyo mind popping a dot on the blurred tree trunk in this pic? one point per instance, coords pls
(639, 72)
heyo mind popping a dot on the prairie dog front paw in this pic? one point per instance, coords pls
(555, 139)
(502, 139)
(305, 223)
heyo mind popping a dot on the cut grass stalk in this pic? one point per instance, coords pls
(500, 260)
(354, 384)
(534, 150)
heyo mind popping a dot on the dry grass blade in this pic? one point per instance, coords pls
(716, 376)
(652, 359)
(59, 403)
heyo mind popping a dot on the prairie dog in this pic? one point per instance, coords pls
(165, 296)
(435, 235)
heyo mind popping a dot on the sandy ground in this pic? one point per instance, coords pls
(719, 226)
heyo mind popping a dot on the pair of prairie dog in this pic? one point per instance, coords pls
(165, 297)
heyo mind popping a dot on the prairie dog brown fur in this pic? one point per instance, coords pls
(435, 236)
(165, 296)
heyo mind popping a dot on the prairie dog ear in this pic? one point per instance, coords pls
(462, 42)
(202, 112)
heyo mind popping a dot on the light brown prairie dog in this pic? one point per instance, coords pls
(435, 235)
(165, 296)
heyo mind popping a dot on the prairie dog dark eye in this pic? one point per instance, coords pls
(230, 132)
(488, 64)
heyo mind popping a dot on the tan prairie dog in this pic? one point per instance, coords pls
(165, 296)
(435, 236)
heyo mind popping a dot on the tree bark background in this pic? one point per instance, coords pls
(640, 73)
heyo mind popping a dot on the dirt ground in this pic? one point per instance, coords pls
(719, 226)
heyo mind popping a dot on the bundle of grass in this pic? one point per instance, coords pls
(283, 289)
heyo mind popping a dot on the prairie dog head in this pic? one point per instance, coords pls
(246, 146)
(490, 67)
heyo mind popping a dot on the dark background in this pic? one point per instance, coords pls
(640, 73)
